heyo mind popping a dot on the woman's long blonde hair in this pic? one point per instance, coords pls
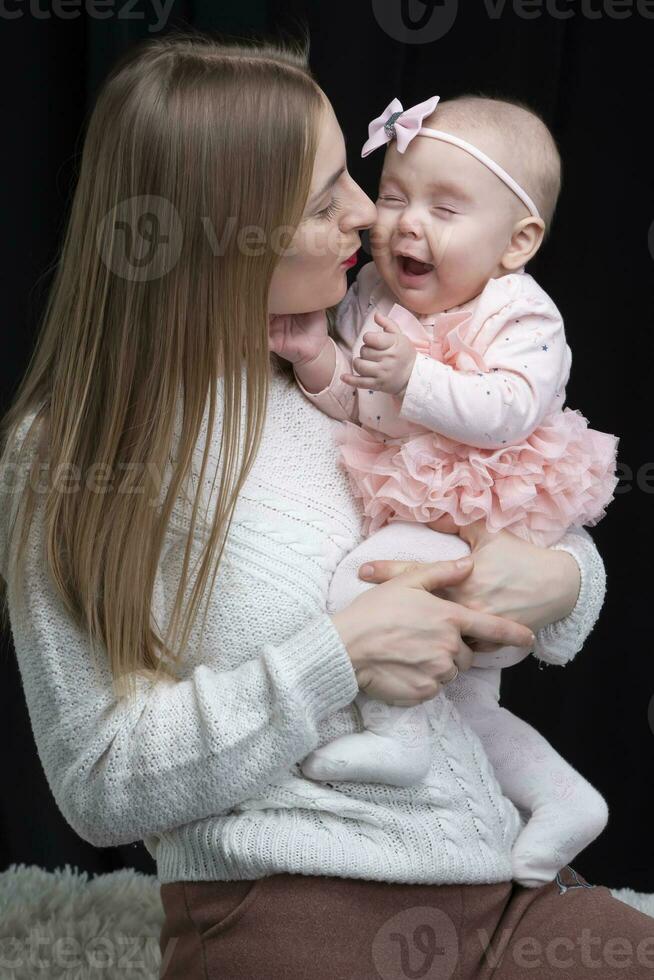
(189, 137)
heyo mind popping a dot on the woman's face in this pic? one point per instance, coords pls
(311, 275)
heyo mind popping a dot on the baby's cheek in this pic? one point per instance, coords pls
(380, 235)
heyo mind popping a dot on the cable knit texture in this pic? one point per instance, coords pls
(205, 770)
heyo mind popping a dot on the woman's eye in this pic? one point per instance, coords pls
(330, 210)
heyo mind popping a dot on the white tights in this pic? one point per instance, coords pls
(565, 812)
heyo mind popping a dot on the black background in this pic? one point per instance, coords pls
(587, 69)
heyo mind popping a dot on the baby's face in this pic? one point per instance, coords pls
(439, 205)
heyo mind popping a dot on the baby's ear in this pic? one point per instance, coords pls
(526, 239)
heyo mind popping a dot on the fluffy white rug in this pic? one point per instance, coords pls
(62, 926)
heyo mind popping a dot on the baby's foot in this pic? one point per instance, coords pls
(370, 758)
(556, 833)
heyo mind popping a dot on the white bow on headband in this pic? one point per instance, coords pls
(403, 125)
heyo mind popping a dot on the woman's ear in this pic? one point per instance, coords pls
(526, 239)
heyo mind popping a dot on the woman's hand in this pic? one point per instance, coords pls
(525, 583)
(298, 337)
(403, 641)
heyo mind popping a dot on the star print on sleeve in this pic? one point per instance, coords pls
(510, 397)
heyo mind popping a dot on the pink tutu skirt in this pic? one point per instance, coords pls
(562, 474)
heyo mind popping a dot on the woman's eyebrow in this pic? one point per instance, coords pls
(332, 180)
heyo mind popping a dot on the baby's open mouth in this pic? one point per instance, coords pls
(413, 267)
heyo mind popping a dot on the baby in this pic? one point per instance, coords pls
(449, 377)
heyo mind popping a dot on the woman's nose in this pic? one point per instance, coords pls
(361, 213)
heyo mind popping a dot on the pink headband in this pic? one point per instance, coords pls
(405, 124)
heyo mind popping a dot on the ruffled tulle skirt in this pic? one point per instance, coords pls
(562, 474)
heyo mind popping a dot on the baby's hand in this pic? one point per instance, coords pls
(386, 360)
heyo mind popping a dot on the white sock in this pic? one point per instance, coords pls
(567, 813)
(394, 748)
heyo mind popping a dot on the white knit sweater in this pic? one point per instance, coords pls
(178, 767)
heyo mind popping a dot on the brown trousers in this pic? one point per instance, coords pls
(300, 927)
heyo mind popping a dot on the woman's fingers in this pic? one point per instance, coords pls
(401, 685)
(440, 574)
(483, 647)
(404, 685)
(434, 575)
(383, 571)
(464, 657)
(418, 686)
(387, 569)
(493, 629)
(451, 675)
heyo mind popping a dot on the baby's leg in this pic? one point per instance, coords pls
(567, 813)
(400, 540)
(395, 746)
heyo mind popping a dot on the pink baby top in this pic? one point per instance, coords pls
(481, 432)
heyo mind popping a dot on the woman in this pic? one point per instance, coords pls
(151, 381)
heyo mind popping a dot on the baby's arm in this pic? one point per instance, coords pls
(528, 364)
(320, 380)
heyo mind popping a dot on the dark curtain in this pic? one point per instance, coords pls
(586, 68)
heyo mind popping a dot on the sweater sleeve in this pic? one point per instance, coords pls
(559, 642)
(182, 751)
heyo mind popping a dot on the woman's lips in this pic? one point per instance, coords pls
(351, 261)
